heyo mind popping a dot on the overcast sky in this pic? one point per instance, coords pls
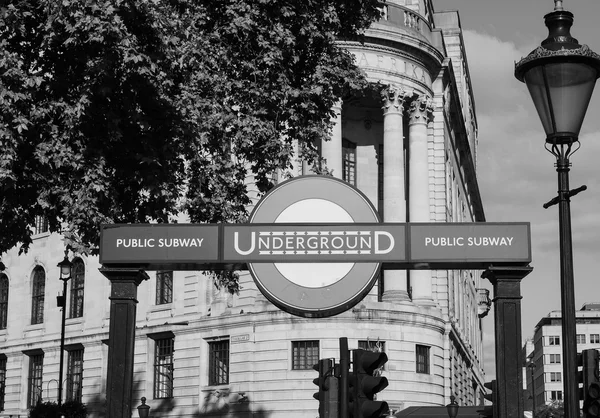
(516, 174)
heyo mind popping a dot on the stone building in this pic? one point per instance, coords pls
(410, 147)
(543, 368)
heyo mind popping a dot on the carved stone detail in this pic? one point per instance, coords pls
(394, 97)
(421, 109)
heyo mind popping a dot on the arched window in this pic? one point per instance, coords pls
(77, 283)
(3, 300)
(37, 295)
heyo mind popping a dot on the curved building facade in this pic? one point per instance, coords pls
(410, 146)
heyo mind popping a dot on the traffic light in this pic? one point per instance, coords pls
(328, 388)
(591, 383)
(364, 385)
(490, 411)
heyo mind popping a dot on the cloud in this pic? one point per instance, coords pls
(517, 176)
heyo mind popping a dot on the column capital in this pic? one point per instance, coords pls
(394, 97)
(420, 110)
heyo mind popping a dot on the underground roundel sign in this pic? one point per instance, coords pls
(315, 289)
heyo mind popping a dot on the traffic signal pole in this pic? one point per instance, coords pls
(344, 368)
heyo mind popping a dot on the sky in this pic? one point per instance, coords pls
(516, 174)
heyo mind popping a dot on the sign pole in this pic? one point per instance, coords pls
(121, 339)
(507, 326)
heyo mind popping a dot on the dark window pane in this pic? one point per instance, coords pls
(77, 286)
(164, 287)
(74, 375)
(3, 300)
(34, 380)
(305, 354)
(349, 161)
(37, 296)
(41, 224)
(218, 367)
(2, 381)
(163, 368)
(422, 352)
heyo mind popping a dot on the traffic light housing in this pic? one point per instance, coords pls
(590, 379)
(490, 411)
(328, 388)
(364, 385)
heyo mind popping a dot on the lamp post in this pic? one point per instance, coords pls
(452, 407)
(65, 274)
(143, 409)
(560, 76)
(531, 366)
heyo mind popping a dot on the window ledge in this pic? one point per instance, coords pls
(40, 235)
(161, 307)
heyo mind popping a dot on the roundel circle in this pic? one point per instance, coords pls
(314, 289)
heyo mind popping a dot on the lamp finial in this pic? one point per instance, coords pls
(558, 5)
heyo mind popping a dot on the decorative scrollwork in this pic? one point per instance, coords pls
(541, 52)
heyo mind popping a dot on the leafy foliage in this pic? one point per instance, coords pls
(69, 409)
(555, 409)
(136, 111)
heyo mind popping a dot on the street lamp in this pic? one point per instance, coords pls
(560, 76)
(531, 366)
(143, 409)
(65, 274)
(452, 407)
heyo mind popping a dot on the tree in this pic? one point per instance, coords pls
(115, 111)
(554, 409)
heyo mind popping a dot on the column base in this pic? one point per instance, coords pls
(397, 296)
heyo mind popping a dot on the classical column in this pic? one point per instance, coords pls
(394, 201)
(420, 113)
(507, 329)
(332, 150)
(121, 339)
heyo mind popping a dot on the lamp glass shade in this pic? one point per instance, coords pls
(65, 267)
(561, 92)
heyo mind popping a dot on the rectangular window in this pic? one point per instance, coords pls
(218, 366)
(554, 358)
(74, 375)
(580, 338)
(349, 161)
(556, 395)
(595, 338)
(41, 224)
(554, 340)
(37, 296)
(553, 377)
(305, 354)
(164, 287)
(77, 288)
(34, 379)
(2, 380)
(163, 368)
(3, 301)
(422, 354)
